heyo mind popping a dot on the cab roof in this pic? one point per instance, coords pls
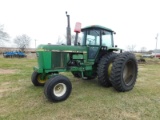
(97, 26)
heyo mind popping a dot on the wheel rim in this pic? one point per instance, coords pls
(129, 73)
(42, 81)
(60, 89)
(109, 69)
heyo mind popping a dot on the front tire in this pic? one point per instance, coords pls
(37, 80)
(124, 72)
(57, 88)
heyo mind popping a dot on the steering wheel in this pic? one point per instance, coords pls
(90, 40)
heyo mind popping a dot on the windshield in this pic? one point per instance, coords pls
(97, 37)
(93, 37)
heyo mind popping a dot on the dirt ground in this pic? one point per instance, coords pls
(7, 71)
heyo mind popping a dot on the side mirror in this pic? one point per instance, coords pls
(116, 46)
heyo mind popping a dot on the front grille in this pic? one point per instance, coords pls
(59, 59)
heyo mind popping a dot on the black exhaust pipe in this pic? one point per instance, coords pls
(68, 30)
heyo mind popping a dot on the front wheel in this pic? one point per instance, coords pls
(57, 88)
(124, 72)
(37, 80)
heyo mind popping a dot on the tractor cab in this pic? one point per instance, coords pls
(97, 38)
(96, 35)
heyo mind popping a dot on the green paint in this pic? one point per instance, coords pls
(83, 58)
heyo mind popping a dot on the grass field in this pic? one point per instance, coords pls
(20, 100)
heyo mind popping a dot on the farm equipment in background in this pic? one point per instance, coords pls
(156, 53)
(94, 57)
(14, 54)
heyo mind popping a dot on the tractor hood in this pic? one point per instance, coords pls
(62, 48)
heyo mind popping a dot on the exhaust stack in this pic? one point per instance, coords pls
(68, 30)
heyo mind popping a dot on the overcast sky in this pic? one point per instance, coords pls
(136, 22)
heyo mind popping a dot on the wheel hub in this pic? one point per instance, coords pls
(60, 89)
(109, 69)
(128, 73)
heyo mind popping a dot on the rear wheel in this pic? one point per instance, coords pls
(104, 69)
(57, 88)
(37, 79)
(124, 72)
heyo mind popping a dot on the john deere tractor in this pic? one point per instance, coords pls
(94, 57)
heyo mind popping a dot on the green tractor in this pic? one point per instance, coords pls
(95, 56)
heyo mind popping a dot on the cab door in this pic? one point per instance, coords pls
(93, 43)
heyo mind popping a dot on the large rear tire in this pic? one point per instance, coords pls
(104, 69)
(124, 72)
(57, 88)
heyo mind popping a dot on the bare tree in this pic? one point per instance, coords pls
(59, 41)
(143, 49)
(22, 41)
(73, 38)
(62, 40)
(131, 48)
(4, 37)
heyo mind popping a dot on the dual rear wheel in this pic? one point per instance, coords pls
(124, 72)
(120, 71)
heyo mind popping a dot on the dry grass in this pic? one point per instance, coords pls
(19, 99)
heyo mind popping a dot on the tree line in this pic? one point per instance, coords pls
(21, 41)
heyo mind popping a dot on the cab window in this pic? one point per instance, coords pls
(107, 39)
(93, 37)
